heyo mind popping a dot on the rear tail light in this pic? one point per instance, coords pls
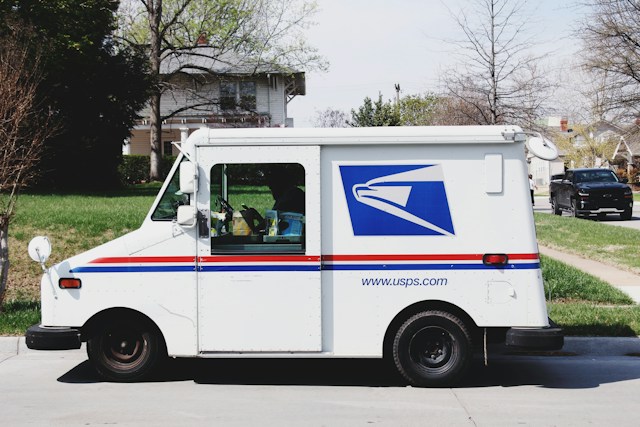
(495, 259)
(70, 283)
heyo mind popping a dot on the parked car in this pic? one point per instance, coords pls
(591, 192)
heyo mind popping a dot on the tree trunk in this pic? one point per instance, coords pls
(155, 123)
(4, 257)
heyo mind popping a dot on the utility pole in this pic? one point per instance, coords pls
(397, 94)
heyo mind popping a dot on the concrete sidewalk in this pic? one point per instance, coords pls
(624, 280)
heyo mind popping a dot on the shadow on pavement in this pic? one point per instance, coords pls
(564, 372)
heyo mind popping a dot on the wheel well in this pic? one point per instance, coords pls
(95, 323)
(423, 306)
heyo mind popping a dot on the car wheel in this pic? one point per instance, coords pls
(574, 212)
(432, 349)
(554, 207)
(125, 350)
(626, 215)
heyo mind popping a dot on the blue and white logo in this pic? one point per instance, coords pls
(397, 200)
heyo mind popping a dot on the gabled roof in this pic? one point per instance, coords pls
(205, 59)
(629, 142)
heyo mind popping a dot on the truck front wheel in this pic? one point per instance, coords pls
(626, 215)
(574, 209)
(125, 350)
(432, 349)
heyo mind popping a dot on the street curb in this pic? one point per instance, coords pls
(10, 345)
(583, 346)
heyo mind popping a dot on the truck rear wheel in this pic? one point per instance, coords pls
(125, 350)
(554, 206)
(432, 349)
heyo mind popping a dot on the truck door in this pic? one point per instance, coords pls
(259, 266)
(566, 190)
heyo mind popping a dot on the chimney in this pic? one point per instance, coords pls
(202, 40)
(564, 124)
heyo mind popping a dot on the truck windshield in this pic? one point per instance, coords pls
(603, 175)
(172, 198)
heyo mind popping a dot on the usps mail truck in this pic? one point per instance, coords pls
(416, 244)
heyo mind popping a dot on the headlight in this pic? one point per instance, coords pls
(627, 191)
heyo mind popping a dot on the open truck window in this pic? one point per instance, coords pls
(257, 208)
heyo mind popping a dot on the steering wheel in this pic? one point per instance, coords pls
(225, 205)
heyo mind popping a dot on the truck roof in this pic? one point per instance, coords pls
(359, 135)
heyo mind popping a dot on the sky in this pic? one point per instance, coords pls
(371, 45)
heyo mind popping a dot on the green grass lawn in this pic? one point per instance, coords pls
(617, 246)
(580, 303)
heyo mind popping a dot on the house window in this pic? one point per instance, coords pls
(228, 93)
(248, 95)
(167, 148)
(238, 94)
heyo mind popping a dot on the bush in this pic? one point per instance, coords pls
(134, 169)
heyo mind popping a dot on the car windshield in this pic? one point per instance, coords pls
(603, 175)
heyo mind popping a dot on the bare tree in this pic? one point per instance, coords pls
(498, 81)
(330, 118)
(185, 38)
(24, 126)
(611, 33)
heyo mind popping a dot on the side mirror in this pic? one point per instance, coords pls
(624, 180)
(40, 249)
(186, 216)
(187, 177)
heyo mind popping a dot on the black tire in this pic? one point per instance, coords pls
(626, 215)
(574, 212)
(554, 206)
(432, 349)
(125, 350)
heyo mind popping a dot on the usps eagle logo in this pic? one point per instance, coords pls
(397, 200)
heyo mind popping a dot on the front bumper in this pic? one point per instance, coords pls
(551, 338)
(47, 338)
(591, 207)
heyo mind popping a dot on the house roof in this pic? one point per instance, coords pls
(204, 59)
(207, 60)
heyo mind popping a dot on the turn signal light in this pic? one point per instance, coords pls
(70, 283)
(495, 259)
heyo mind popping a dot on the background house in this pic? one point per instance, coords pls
(217, 93)
(627, 153)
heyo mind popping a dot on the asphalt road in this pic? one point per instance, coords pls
(572, 388)
(542, 205)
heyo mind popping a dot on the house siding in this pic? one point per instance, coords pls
(271, 108)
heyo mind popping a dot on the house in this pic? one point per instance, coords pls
(627, 153)
(207, 92)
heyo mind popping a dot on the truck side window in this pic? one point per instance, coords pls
(257, 208)
(172, 198)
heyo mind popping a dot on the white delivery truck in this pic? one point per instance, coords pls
(412, 243)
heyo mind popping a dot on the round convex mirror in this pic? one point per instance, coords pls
(40, 249)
